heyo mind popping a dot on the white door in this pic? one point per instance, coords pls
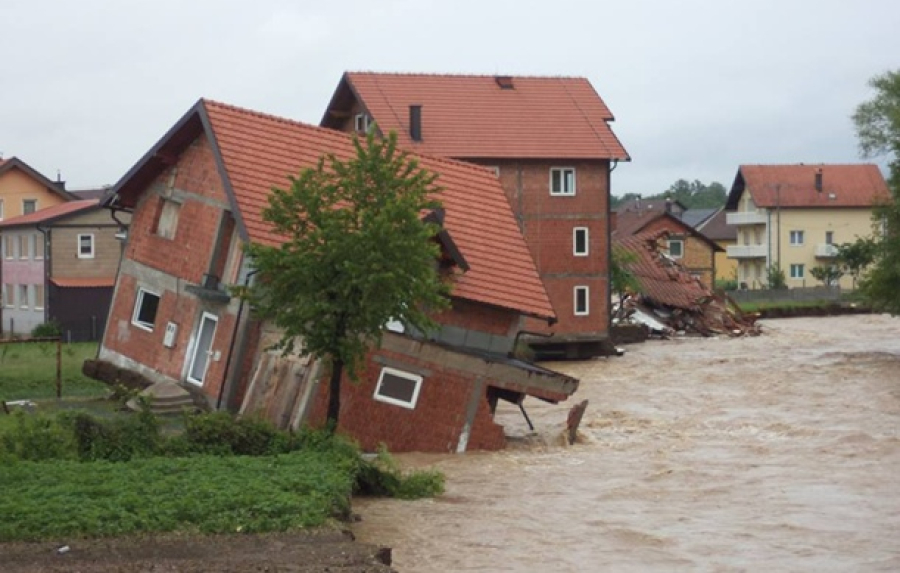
(206, 332)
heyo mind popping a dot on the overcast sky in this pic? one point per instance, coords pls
(697, 86)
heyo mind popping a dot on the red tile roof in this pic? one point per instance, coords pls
(471, 116)
(662, 280)
(259, 151)
(93, 282)
(50, 213)
(630, 222)
(858, 185)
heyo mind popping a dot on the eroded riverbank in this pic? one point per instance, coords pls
(776, 453)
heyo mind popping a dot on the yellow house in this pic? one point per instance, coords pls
(794, 216)
(23, 190)
(721, 233)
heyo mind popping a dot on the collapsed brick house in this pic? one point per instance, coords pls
(691, 248)
(547, 140)
(196, 199)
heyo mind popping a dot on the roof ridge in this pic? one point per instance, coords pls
(456, 75)
(272, 117)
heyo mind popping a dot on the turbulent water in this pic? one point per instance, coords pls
(776, 453)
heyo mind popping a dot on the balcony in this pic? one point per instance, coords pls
(746, 251)
(826, 251)
(746, 218)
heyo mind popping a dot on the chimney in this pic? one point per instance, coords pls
(819, 179)
(415, 122)
(668, 204)
(505, 82)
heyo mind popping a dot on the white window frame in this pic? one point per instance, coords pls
(796, 235)
(587, 301)
(38, 245)
(90, 254)
(416, 378)
(23, 296)
(563, 191)
(799, 267)
(680, 255)
(1, 209)
(138, 302)
(26, 201)
(195, 351)
(39, 304)
(24, 246)
(587, 244)
(362, 122)
(9, 251)
(829, 237)
(6, 294)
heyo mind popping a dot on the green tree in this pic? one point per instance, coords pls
(621, 279)
(878, 129)
(828, 275)
(357, 253)
(775, 277)
(856, 256)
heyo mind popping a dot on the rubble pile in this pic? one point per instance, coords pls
(672, 301)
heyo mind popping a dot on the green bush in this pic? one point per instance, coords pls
(50, 329)
(37, 438)
(116, 440)
(726, 284)
(383, 477)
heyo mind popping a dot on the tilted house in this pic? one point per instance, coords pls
(794, 216)
(197, 198)
(691, 248)
(548, 141)
(59, 266)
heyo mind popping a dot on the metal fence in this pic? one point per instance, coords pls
(787, 295)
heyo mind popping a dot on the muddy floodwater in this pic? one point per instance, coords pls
(776, 453)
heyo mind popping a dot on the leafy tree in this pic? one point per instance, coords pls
(622, 281)
(828, 275)
(856, 256)
(775, 277)
(878, 129)
(693, 195)
(357, 253)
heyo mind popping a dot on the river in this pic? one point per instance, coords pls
(774, 453)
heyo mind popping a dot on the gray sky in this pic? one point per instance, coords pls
(697, 86)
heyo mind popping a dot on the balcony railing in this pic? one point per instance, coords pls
(826, 251)
(746, 218)
(746, 251)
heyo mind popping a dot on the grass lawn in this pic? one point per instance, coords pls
(758, 306)
(28, 371)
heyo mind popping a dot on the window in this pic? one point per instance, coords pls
(29, 206)
(676, 248)
(8, 250)
(1, 209)
(86, 246)
(562, 181)
(7, 293)
(167, 218)
(23, 296)
(145, 307)
(38, 297)
(581, 301)
(796, 238)
(796, 271)
(24, 241)
(580, 241)
(37, 246)
(398, 387)
(362, 122)
(829, 237)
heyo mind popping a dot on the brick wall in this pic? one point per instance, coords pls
(548, 223)
(698, 257)
(165, 266)
(480, 317)
(434, 425)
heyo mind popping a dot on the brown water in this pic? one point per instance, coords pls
(776, 453)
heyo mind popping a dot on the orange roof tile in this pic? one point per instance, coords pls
(471, 116)
(856, 185)
(92, 282)
(259, 151)
(661, 279)
(50, 213)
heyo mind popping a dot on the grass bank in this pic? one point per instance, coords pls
(77, 475)
(28, 371)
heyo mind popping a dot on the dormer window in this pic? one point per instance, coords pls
(362, 122)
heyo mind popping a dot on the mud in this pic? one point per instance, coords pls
(775, 453)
